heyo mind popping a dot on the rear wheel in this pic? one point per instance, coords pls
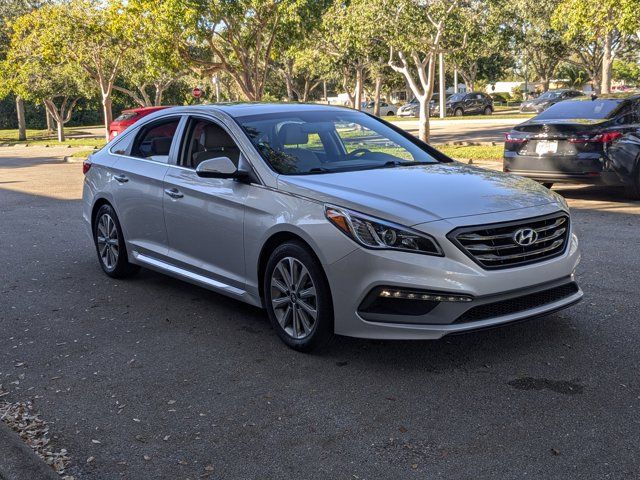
(390, 113)
(547, 185)
(458, 112)
(110, 246)
(633, 190)
(297, 298)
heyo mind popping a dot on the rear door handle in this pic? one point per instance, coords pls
(121, 178)
(173, 193)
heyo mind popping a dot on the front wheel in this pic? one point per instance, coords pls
(458, 112)
(488, 110)
(110, 246)
(297, 298)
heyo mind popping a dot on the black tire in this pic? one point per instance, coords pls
(488, 110)
(118, 265)
(458, 112)
(390, 113)
(547, 185)
(321, 331)
(633, 190)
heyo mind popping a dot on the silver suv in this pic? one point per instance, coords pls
(332, 220)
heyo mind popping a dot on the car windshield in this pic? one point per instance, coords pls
(592, 109)
(549, 95)
(309, 142)
(456, 97)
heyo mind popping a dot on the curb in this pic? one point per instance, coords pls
(18, 461)
(69, 159)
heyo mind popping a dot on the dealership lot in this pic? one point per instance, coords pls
(155, 378)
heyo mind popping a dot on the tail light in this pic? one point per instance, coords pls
(606, 137)
(511, 139)
(86, 165)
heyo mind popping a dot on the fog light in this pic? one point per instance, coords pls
(432, 297)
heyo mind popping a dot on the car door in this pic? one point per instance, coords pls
(204, 216)
(469, 103)
(139, 172)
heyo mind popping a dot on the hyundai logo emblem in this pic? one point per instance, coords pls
(525, 237)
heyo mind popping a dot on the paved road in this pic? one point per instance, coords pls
(158, 368)
(465, 130)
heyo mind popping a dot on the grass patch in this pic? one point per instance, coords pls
(82, 153)
(465, 153)
(43, 137)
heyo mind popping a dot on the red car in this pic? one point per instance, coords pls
(129, 117)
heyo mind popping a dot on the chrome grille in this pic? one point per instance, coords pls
(494, 246)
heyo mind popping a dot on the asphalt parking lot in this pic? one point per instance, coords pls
(155, 378)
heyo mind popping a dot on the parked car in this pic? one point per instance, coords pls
(577, 141)
(460, 104)
(129, 117)
(376, 235)
(547, 99)
(409, 109)
(386, 109)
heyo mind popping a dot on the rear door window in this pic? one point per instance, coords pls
(154, 141)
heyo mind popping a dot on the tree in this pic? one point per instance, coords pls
(543, 45)
(595, 21)
(486, 40)
(10, 10)
(419, 32)
(95, 36)
(348, 35)
(235, 37)
(34, 74)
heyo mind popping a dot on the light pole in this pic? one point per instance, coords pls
(442, 99)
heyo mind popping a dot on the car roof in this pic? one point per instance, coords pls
(620, 97)
(246, 109)
(145, 109)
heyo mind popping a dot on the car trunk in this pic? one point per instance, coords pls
(561, 145)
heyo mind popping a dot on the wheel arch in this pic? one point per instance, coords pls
(273, 242)
(99, 202)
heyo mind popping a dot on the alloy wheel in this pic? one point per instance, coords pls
(107, 238)
(294, 298)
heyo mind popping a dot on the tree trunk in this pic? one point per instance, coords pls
(49, 120)
(376, 96)
(423, 120)
(358, 92)
(108, 114)
(607, 61)
(60, 126)
(22, 124)
(545, 84)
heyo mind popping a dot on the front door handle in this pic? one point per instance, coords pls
(173, 193)
(121, 178)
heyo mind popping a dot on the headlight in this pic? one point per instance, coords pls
(378, 234)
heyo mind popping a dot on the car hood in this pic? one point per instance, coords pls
(421, 193)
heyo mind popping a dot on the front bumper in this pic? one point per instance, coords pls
(353, 277)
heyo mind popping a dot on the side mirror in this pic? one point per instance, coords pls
(219, 167)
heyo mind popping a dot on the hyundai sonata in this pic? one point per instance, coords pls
(332, 220)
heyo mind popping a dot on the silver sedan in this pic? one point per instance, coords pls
(330, 219)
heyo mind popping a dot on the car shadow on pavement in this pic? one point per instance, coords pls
(24, 162)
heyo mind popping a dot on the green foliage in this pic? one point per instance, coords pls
(626, 70)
